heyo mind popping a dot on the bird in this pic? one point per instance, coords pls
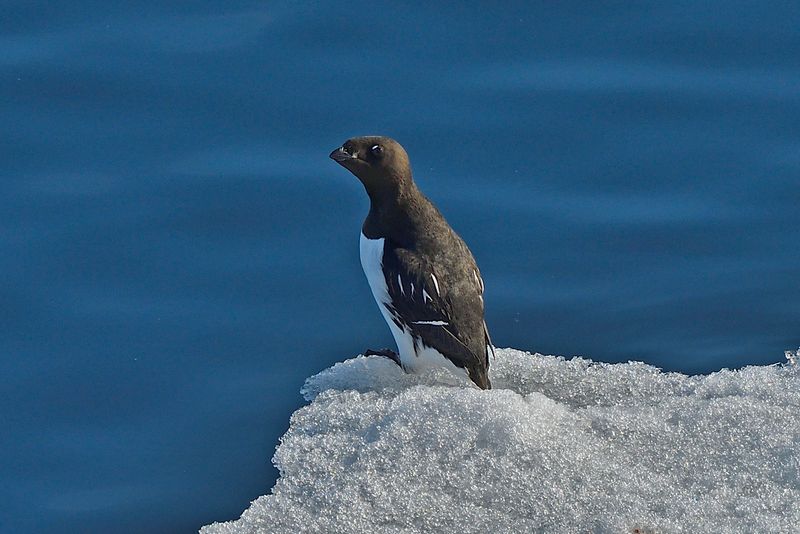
(422, 275)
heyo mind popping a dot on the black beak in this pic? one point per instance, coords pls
(341, 155)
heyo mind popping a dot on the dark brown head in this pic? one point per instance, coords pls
(379, 162)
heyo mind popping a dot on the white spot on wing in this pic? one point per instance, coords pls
(433, 323)
(478, 279)
(400, 283)
(435, 284)
(426, 297)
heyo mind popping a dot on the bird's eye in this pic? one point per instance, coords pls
(377, 150)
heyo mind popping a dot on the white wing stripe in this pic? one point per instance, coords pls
(478, 279)
(434, 323)
(436, 284)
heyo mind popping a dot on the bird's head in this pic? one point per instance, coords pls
(380, 163)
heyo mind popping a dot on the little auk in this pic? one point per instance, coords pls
(423, 277)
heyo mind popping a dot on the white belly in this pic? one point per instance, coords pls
(414, 356)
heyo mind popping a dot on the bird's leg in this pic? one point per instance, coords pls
(386, 353)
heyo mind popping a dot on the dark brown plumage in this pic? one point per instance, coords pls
(433, 283)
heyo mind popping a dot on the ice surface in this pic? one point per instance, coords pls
(558, 446)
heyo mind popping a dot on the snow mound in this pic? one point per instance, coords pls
(558, 446)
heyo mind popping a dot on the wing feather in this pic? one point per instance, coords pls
(421, 298)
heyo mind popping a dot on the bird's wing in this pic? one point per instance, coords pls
(420, 300)
(487, 338)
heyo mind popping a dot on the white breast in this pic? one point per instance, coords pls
(413, 356)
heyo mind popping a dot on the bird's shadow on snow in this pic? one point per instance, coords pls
(375, 373)
(520, 372)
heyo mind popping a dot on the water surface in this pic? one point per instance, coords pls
(178, 253)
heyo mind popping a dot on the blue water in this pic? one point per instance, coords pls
(178, 253)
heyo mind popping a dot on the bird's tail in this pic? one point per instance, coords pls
(480, 375)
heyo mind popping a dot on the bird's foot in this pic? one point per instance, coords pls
(386, 353)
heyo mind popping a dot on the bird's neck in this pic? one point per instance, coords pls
(394, 214)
